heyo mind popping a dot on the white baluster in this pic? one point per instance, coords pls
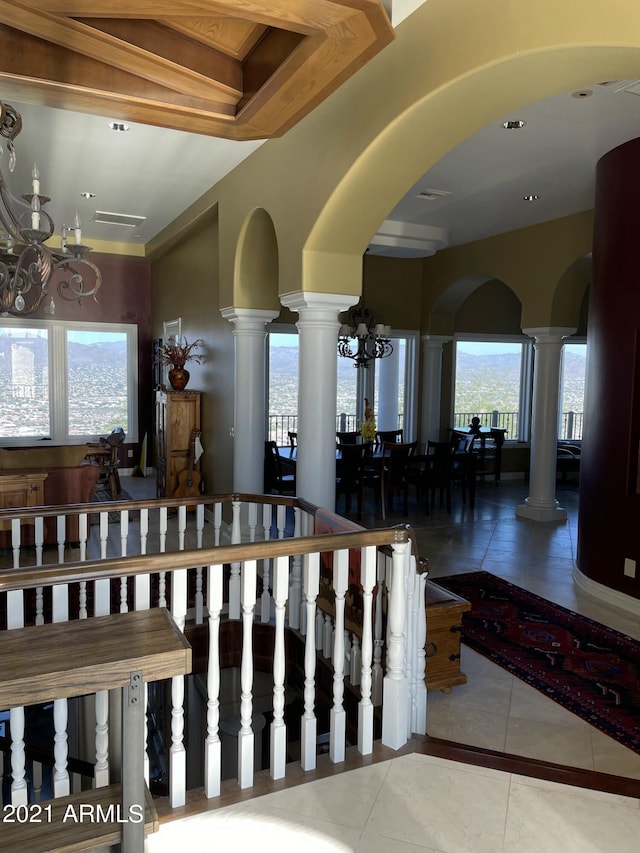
(394, 704)
(163, 524)
(16, 533)
(347, 654)
(420, 720)
(199, 525)
(19, 794)
(60, 773)
(217, 522)
(308, 733)
(338, 719)
(355, 661)
(104, 534)
(177, 752)
(377, 674)
(39, 538)
(61, 529)
(278, 734)
(327, 637)
(410, 627)
(213, 746)
(39, 543)
(36, 773)
(265, 599)
(124, 535)
(245, 735)
(162, 577)
(83, 534)
(252, 520)
(101, 770)
(182, 526)
(295, 591)
(144, 530)
(365, 706)
(319, 628)
(281, 520)
(234, 580)
(199, 598)
(61, 787)
(267, 515)
(142, 583)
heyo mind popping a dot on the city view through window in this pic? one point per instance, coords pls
(487, 384)
(83, 372)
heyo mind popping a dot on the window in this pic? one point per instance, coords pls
(492, 381)
(572, 382)
(66, 381)
(282, 385)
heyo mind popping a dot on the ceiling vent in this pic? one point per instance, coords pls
(432, 195)
(631, 86)
(124, 219)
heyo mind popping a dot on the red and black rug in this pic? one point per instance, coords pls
(590, 669)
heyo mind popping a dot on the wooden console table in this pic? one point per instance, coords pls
(57, 661)
(19, 489)
(444, 620)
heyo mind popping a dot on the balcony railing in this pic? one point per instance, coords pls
(227, 567)
(281, 425)
(570, 423)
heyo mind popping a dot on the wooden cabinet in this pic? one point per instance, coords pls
(177, 416)
(444, 620)
(21, 489)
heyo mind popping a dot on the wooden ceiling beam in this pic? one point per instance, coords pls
(228, 35)
(97, 45)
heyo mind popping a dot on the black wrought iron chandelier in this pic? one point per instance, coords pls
(31, 271)
(363, 339)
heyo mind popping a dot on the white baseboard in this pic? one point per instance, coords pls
(606, 595)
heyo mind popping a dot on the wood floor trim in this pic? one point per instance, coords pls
(532, 767)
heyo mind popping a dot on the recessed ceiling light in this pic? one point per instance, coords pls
(582, 93)
(118, 125)
(88, 195)
(531, 197)
(516, 124)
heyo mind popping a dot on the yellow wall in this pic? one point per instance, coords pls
(185, 284)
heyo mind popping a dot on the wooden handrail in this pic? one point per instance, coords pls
(31, 577)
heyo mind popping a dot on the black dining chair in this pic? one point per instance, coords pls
(350, 470)
(436, 475)
(293, 439)
(390, 436)
(275, 478)
(348, 437)
(395, 461)
(464, 463)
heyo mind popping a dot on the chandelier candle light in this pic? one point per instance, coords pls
(371, 338)
(29, 269)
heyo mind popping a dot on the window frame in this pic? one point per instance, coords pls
(58, 378)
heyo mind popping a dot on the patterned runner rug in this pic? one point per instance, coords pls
(590, 669)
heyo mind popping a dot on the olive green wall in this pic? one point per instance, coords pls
(185, 284)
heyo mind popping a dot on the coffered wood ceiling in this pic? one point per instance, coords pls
(235, 69)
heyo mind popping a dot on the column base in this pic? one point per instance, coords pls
(540, 513)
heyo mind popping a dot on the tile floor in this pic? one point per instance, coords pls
(423, 803)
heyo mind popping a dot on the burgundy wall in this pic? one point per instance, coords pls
(609, 518)
(124, 297)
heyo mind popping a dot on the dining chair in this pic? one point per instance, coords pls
(350, 466)
(394, 467)
(108, 461)
(347, 437)
(463, 464)
(390, 436)
(275, 479)
(437, 474)
(293, 439)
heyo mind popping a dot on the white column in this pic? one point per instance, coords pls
(431, 385)
(318, 327)
(387, 407)
(249, 331)
(541, 505)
